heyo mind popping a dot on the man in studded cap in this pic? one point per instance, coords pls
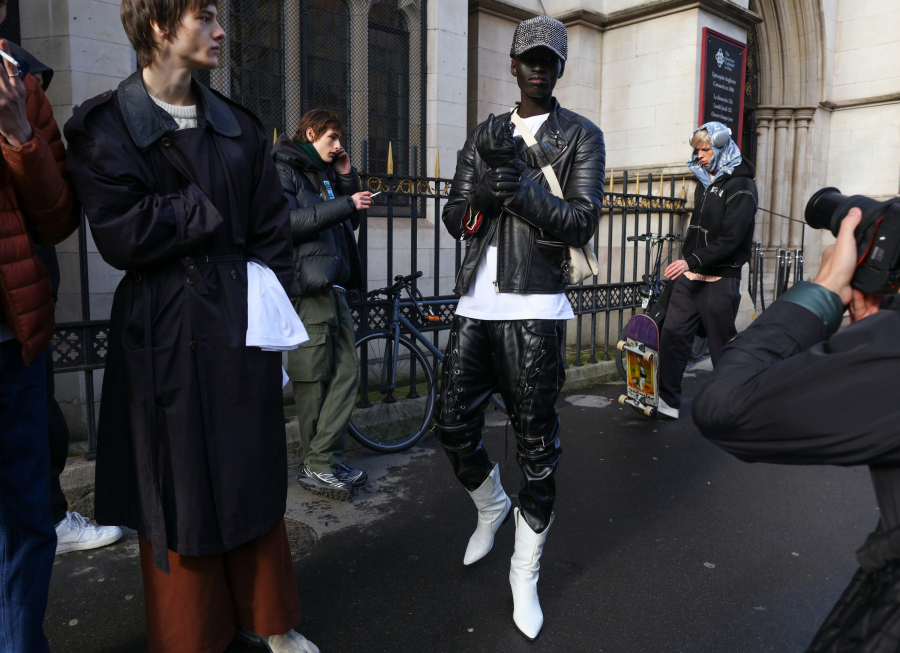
(507, 335)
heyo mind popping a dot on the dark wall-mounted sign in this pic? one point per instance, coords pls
(723, 68)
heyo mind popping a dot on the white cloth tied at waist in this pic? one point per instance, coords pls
(272, 323)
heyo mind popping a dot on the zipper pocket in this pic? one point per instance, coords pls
(550, 243)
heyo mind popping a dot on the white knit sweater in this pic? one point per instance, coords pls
(186, 117)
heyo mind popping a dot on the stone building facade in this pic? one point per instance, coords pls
(822, 96)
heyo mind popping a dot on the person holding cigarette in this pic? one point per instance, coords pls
(37, 207)
(323, 191)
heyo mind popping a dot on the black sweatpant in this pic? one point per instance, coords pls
(711, 303)
(58, 434)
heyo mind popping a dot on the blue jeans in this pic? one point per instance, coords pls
(27, 534)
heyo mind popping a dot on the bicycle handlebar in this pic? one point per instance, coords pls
(401, 279)
(400, 282)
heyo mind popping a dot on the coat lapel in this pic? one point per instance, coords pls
(147, 122)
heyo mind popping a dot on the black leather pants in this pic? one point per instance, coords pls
(522, 360)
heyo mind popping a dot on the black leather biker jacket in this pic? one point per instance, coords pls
(536, 228)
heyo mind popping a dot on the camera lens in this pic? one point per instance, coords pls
(822, 209)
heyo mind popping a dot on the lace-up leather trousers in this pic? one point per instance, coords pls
(522, 360)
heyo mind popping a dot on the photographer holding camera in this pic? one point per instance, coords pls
(790, 390)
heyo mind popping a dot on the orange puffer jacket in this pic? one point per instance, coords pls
(37, 204)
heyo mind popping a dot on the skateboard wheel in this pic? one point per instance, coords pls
(621, 345)
(648, 356)
(622, 399)
(648, 411)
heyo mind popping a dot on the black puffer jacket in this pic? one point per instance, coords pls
(720, 235)
(536, 228)
(317, 223)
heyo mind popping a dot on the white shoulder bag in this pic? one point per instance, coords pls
(582, 262)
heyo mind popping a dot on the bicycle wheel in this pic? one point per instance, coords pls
(392, 412)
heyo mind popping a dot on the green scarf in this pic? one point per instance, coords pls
(312, 153)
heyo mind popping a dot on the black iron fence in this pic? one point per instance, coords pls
(774, 269)
(772, 273)
(404, 234)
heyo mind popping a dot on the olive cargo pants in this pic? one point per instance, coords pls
(324, 375)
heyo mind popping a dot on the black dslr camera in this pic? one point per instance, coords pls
(877, 236)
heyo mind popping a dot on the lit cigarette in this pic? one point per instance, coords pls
(374, 194)
(9, 58)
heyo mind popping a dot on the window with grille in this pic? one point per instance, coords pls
(9, 28)
(388, 88)
(257, 59)
(284, 57)
(328, 57)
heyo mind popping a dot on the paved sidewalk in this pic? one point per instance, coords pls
(662, 543)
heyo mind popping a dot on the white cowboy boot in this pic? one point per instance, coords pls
(493, 509)
(523, 577)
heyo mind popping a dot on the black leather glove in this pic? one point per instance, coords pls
(494, 186)
(495, 145)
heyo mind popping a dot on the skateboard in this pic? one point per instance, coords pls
(641, 347)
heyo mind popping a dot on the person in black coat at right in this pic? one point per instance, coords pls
(791, 389)
(716, 247)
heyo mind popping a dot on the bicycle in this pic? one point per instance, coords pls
(651, 290)
(399, 371)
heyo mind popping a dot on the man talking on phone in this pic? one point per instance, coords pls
(323, 191)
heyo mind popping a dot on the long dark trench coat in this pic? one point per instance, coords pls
(191, 448)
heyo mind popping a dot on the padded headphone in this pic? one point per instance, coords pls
(719, 139)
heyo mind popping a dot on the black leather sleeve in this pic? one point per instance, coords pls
(309, 216)
(782, 393)
(463, 183)
(574, 219)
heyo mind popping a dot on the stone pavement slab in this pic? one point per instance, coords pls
(662, 543)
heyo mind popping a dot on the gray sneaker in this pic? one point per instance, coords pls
(325, 484)
(354, 477)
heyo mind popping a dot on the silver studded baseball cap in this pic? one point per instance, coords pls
(540, 31)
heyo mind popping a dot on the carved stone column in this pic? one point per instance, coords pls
(764, 116)
(781, 177)
(802, 118)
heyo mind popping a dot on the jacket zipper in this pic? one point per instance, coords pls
(702, 204)
(489, 237)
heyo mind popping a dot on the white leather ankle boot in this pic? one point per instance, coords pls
(493, 509)
(523, 577)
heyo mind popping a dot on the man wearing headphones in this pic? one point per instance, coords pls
(716, 247)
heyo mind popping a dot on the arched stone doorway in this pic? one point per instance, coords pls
(790, 49)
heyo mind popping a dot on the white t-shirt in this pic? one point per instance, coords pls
(484, 302)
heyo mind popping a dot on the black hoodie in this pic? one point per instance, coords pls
(325, 252)
(720, 237)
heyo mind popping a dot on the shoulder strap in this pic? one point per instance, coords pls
(529, 139)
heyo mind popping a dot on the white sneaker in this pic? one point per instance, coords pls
(290, 642)
(75, 533)
(667, 411)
